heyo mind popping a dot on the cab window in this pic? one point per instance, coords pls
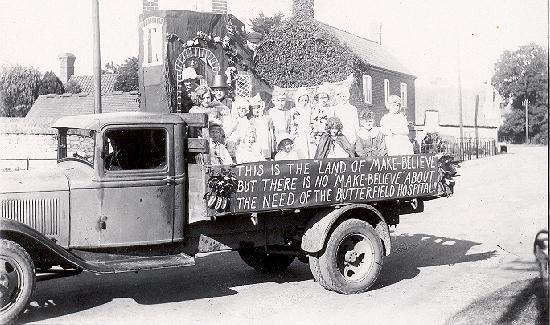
(135, 149)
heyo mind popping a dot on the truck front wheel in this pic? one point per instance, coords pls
(264, 262)
(352, 259)
(17, 280)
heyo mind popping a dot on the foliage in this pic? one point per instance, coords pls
(127, 79)
(264, 24)
(50, 84)
(110, 68)
(300, 52)
(73, 87)
(18, 90)
(519, 75)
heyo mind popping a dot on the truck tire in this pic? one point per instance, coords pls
(17, 280)
(264, 262)
(352, 259)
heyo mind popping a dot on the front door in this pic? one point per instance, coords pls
(137, 204)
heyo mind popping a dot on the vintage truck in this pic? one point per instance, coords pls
(161, 207)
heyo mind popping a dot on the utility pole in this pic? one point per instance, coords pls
(97, 57)
(526, 105)
(475, 125)
(380, 34)
(460, 122)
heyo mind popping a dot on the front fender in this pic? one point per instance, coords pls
(41, 249)
(322, 223)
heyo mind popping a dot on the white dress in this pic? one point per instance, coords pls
(347, 113)
(396, 134)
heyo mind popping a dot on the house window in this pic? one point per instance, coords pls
(367, 88)
(386, 90)
(403, 94)
(152, 41)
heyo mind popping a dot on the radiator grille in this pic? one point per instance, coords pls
(40, 214)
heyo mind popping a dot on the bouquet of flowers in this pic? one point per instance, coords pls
(221, 185)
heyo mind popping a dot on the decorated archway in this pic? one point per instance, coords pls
(202, 60)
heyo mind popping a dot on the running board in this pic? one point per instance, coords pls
(140, 263)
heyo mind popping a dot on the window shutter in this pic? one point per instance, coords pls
(403, 94)
(386, 90)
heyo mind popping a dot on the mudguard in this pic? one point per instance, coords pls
(321, 224)
(39, 247)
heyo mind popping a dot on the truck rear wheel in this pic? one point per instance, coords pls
(17, 280)
(264, 262)
(352, 259)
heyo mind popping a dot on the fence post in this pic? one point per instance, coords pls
(28, 162)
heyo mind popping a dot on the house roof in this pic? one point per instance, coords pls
(49, 108)
(369, 51)
(86, 83)
(445, 101)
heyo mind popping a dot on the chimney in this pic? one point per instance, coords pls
(66, 66)
(150, 5)
(219, 7)
(303, 8)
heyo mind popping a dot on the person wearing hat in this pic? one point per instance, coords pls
(321, 111)
(219, 90)
(369, 141)
(218, 152)
(189, 81)
(285, 149)
(281, 114)
(265, 130)
(395, 128)
(248, 150)
(304, 141)
(346, 112)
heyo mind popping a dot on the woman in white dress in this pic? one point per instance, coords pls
(301, 130)
(347, 113)
(395, 128)
(265, 130)
(281, 115)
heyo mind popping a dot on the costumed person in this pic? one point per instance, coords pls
(321, 111)
(285, 149)
(369, 141)
(301, 128)
(333, 143)
(219, 91)
(190, 81)
(281, 115)
(204, 104)
(395, 128)
(239, 126)
(265, 130)
(248, 150)
(218, 152)
(346, 112)
(412, 139)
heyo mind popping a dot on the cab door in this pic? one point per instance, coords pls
(137, 194)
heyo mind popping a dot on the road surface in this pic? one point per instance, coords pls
(467, 259)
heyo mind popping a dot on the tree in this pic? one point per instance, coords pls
(127, 79)
(18, 90)
(73, 87)
(519, 75)
(50, 84)
(264, 24)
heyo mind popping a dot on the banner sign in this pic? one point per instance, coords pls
(293, 184)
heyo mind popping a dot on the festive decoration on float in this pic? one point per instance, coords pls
(447, 166)
(221, 185)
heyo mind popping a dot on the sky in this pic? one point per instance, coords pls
(430, 37)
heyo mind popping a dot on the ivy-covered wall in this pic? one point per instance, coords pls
(299, 52)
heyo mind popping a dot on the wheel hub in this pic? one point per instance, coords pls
(9, 282)
(353, 253)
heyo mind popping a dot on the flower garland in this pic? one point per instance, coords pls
(221, 185)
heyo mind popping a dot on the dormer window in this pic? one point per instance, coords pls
(152, 41)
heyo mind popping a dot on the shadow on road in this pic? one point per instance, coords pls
(410, 252)
(213, 276)
(520, 302)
